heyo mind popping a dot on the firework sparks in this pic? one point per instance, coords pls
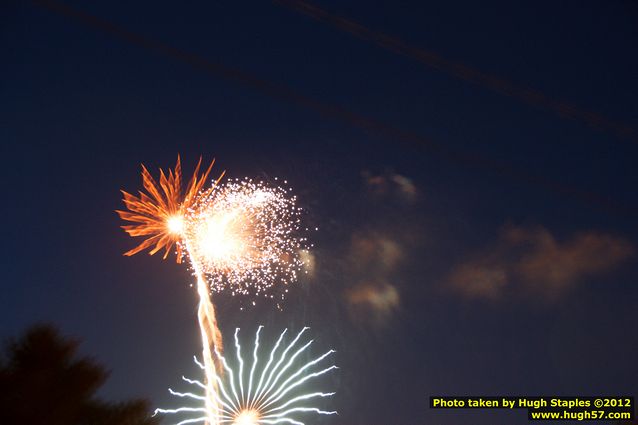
(239, 236)
(242, 234)
(248, 397)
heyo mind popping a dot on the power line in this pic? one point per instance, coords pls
(464, 72)
(341, 114)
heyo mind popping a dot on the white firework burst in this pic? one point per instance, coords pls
(245, 237)
(271, 396)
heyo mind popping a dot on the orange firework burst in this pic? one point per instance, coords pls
(159, 212)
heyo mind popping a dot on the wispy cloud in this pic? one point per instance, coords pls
(376, 299)
(372, 262)
(391, 184)
(374, 252)
(532, 260)
(377, 250)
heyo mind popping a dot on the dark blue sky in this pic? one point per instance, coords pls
(432, 276)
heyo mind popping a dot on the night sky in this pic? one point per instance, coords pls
(469, 241)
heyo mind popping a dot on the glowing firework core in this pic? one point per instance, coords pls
(219, 239)
(175, 224)
(247, 417)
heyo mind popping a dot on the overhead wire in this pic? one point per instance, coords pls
(463, 71)
(336, 112)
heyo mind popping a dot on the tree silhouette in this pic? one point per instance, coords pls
(43, 382)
